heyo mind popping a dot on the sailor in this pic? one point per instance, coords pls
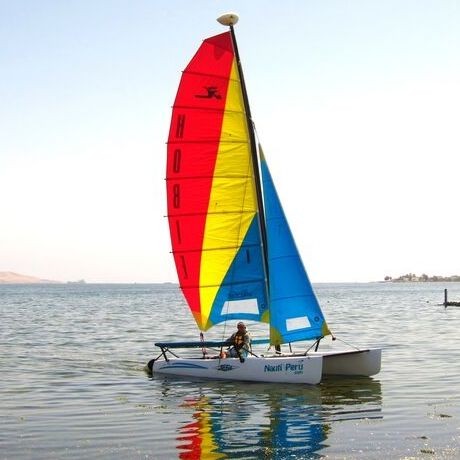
(240, 342)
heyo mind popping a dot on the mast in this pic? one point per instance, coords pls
(230, 19)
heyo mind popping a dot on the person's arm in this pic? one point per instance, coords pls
(247, 341)
(230, 340)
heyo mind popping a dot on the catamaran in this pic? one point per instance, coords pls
(234, 252)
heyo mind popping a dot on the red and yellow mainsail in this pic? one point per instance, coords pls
(212, 201)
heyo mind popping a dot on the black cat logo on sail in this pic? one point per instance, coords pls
(212, 92)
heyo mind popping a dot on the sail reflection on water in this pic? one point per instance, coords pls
(259, 421)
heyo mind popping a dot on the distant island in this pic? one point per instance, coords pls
(411, 277)
(16, 278)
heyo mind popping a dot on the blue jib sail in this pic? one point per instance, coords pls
(295, 313)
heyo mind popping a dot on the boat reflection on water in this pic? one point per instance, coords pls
(354, 398)
(260, 421)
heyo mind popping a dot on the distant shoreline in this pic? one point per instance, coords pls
(7, 277)
(412, 278)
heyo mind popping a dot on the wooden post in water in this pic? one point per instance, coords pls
(449, 304)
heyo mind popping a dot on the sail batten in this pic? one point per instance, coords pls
(223, 248)
(207, 110)
(229, 176)
(218, 248)
(227, 284)
(205, 142)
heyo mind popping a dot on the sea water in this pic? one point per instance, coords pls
(73, 385)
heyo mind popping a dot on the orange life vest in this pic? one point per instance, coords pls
(238, 340)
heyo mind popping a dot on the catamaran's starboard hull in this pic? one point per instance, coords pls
(304, 369)
(353, 362)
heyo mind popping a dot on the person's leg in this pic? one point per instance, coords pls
(233, 353)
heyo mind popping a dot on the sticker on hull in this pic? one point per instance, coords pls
(285, 368)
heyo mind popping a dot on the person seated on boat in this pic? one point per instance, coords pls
(240, 342)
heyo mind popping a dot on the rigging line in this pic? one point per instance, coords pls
(346, 343)
(203, 348)
(315, 344)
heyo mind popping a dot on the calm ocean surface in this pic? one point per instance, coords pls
(73, 384)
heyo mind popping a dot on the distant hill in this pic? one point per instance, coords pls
(16, 278)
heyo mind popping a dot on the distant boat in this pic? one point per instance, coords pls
(234, 252)
(77, 282)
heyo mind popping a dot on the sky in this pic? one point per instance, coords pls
(356, 103)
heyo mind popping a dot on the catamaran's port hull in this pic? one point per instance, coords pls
(299, 369)
(353, 362)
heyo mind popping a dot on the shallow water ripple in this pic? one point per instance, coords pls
(73, 384)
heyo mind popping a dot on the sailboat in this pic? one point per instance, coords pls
(235, 255)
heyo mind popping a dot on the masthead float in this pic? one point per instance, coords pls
(228, 19)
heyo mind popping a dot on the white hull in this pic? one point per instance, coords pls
(294, 369)
(352, 362)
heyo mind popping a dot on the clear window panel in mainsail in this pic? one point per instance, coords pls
(240, 306)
